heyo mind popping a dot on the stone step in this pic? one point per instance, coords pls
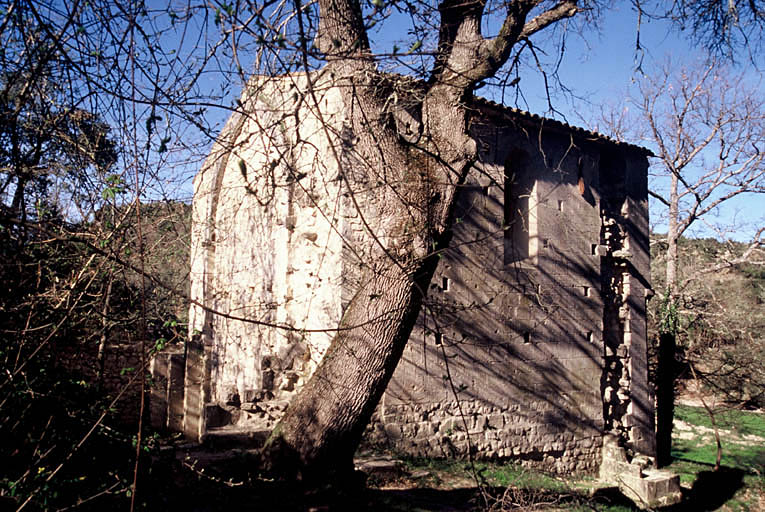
(647, 487)
(235, 436)
(660, 488)
(251, 416)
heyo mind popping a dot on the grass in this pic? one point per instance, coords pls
(513, 475)
(740, 453)
(494, 474)
(742, 422)
(507, 486)
(739, 485)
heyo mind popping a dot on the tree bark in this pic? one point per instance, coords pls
(665, 398)
(665, 372)
(672, 236)
(317, 437)
(322, 427)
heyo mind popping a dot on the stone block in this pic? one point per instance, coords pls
(158, 405)
(495, 421)
(393, 431)
(176, 370)
(425, 429)
(653, 489)
(648, 488)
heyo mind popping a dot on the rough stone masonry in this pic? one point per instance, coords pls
(532, 344)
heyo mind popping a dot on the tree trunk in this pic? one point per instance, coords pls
(672, 236)
(665, 372)
(418, 180)
(665, 398)
(19, 209)
(322, 427)
(319, 433)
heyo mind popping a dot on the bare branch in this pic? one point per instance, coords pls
(564, 9)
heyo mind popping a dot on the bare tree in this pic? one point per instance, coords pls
(706, 126)
(730, 29)
(143, 71)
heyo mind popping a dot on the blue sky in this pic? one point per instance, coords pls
(598, 67)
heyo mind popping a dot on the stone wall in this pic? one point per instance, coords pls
(266, 249)
(627, 397)
(514, 335)
(534, 434)
(166, 395)
(114, 374)
(532, 341)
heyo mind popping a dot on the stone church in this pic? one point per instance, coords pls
(532, 344)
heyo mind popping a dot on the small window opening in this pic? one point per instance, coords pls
(519, 223)
(590, 336)
(594, 249)
(486, 190)
(560, 205)
(445, 284)
(586, 291)
(438, 338)
(527, 337)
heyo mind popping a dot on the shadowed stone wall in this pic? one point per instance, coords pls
(514, 327)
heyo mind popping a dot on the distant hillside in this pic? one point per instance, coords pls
(166, 230)
(722, 317)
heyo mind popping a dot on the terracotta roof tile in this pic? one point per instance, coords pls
(554, 124)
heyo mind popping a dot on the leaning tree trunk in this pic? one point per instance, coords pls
(322, 427)
(418, 181)
(318, 435)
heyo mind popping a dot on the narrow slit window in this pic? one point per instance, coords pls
(519, 223)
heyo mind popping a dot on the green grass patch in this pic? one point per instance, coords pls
(527, 488)
(496, 474)
(742, 422)
(748, 458)
(514, 475)
(737, 452)
(745, 463)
